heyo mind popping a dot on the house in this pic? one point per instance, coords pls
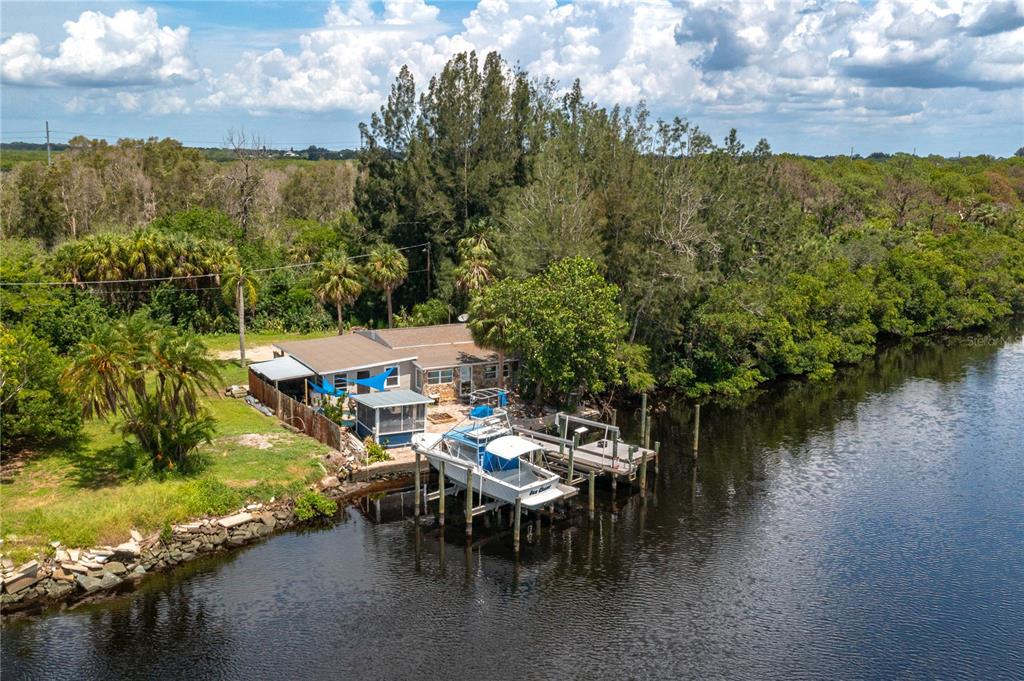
(441, 361)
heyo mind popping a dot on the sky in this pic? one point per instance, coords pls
(811, 76)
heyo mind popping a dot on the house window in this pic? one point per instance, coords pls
(507, 369)
(491, 372)
(438, 376)
(341, 382)
(392, 381)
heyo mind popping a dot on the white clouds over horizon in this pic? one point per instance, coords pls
(128, 48)
(806, 62)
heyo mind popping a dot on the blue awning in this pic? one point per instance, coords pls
(376, 382)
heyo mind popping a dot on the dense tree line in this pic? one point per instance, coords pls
(712, 266)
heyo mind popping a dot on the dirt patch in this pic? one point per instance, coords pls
(258, 440)
(257, 353)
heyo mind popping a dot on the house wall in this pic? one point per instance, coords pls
(405, 370)
(446, 393)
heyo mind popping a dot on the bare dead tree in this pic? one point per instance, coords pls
(245, 176)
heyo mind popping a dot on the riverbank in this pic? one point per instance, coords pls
(85, 495)
(71, 576)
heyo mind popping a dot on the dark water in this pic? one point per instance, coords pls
(871, 527)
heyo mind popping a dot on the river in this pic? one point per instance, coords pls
(868, 527)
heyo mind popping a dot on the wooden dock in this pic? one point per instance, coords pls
(579, 450)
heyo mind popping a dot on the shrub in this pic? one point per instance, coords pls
(375, 452)
(312, 504)
(38, 409)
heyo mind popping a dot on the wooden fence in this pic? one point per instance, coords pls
(296, 414)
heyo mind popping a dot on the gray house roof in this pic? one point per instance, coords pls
(281, 369)
(343, 353)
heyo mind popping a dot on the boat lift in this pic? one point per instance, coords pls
(574, 450)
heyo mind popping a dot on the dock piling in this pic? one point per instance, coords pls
(515, 531)
(657, 457)
(440, 498)
(590, 493)
(572, 457)
(643, 473)
(416, 494)
(696, 429)
(469, 500)
(643, 418)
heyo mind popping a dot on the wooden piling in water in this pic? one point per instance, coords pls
(696, 429)
(572, 457)
(643, 472)
(515, 531)
(590, 493)
(615, 458)
(440, 498)
(643, 418)
(657, 456)
(416, 494)
(469, 500)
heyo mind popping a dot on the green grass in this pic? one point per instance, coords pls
(11, 157)
(81, 498)
(229, 341)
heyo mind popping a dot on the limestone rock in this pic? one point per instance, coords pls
(268, 519)
(109, 580)
(129, 548)
(116, 567)
(235, 520)
(18, 582)
(136, 536)
(88, 584)
(330, 482)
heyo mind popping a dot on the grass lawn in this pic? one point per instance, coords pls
(229, 341)
(81, 498)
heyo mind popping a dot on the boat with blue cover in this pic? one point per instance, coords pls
(501, 462)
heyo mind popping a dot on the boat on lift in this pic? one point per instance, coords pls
(501, 462)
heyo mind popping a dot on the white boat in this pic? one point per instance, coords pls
(499, 460)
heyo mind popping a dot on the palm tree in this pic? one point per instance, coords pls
(474, 274)
(477, 262)
(154, 379)
(490, 326)
(339, 281)
(386, 269)
(239, 285)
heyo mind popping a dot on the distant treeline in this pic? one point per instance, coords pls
(732, 264)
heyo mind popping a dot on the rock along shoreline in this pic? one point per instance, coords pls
(71, 577)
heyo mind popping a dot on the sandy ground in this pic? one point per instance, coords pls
(257, 353)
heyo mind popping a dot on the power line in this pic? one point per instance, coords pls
(180, 277)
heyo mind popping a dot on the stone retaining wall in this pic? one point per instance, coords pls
(76, 574)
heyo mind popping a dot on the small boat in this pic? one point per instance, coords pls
(500, 460)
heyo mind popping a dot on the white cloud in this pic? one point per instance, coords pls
(136, 102)
(827, 62)
(703, 57)
(128, 48)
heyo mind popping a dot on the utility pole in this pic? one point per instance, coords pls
(49, 162)
(428, 269)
